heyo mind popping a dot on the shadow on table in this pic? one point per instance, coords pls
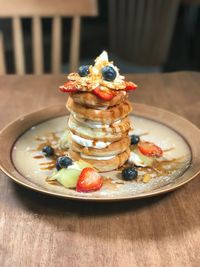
(147, 219)
(45, 204)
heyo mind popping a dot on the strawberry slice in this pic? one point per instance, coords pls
(150, 149)
(68, 87)
(130, 86)
(89, 180)
(104, 94)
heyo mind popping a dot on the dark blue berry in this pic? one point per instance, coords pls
(129, 174)
(48, 151)
(63, 162)
(109, 74)
(135, 139)
(83, 70)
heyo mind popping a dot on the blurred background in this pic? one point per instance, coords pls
(140, 35)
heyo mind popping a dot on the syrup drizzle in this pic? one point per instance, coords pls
(38, 157)
(158, 169)
(50, 139)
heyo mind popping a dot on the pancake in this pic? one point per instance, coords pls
(105, 116)
(96, 124)
(112, 149)
(110, 134)
(115, 127)
(99, 128)
(91, 100)
(103, 165)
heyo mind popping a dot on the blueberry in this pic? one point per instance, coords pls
(83, 70)
(63, 162)
(129, 174)
(48, 151)
(135, 139)
(109, 74)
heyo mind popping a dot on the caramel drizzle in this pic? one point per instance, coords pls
(51, 139)
(158, 168)
(38, 157)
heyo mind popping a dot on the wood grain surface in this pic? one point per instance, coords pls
(38, 230)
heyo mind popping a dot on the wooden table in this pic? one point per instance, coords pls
(37, 230)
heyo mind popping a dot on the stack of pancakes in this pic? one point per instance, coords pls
(99, 129)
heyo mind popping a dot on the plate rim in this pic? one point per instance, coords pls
(84, 197)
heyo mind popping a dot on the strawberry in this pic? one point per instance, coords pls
(130, 86)
(150, 149)
(104, 94)
(68, 87)
(89, 180)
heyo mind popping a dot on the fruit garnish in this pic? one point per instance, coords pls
(83, 70)
(68, 87)
(89, 180)
(145, 160)
(63, 162)
(135, 139)
(104, 94)
(83, 164)
(108, 73)
(146, 178)
(48, 151)
(150, 149)
(67, 177)
(138, 159)
(128, 174)
(130, 86)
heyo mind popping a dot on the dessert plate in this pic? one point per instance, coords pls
(19, 160)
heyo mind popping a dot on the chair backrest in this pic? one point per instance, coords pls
(141, 30)
(37, 9)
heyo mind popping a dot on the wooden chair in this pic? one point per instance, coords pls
(36, 9)
(141, 30)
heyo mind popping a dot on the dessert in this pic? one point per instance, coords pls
(98, 122)
(99, 149)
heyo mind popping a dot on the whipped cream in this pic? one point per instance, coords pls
(135, 159)
(96, 158)
(89, 143)
(94, 124)
(101, 108)
(102, 57)
(101, 60)
(74, 166)
(95, 79)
